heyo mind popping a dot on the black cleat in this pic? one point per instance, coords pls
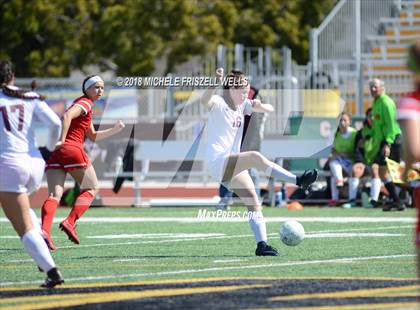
(394, 206)
(54, 278)
(307, 178)
(263, 249)
(399, 206)
(387, 208)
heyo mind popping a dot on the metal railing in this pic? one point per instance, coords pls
(338, 44)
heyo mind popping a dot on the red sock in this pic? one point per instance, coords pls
(47, 213)
(82, 203)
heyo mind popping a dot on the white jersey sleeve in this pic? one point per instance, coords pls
(50, 119)
(247, 107)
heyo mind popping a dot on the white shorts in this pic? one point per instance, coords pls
(21, 173)
(37, 172)
(217, 168)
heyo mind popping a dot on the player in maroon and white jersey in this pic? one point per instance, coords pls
(19, 169)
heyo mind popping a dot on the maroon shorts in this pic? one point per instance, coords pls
(68, 157)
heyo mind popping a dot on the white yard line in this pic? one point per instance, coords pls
(155, 236)
(229, 260)
(222, 269)
(361, 229)
(239, 219)
(27, 260)
(348, 235)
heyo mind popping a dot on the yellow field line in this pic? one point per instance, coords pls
(379, 306)
(66, 300)
(193, 280)
(377, 292)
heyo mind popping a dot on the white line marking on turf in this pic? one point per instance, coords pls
(228, 260)
(340, 235)
(221, 237)
(225, 268)
(151, 241)
(362, 229)
(155, 236)
(21, 260)
(9, 237)
(239, 219)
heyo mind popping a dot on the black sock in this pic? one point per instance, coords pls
(390, 187)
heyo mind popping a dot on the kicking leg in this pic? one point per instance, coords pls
(243, 186)
(237, 163)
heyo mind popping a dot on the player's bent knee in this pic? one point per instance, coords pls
(257, 156)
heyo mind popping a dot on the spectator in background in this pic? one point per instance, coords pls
(409, 119)
(341, 158)
(386, 139)
(362, 146)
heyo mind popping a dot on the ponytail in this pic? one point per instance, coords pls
(21, 93)
(7, 75)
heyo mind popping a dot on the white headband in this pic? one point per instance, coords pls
(94, 79)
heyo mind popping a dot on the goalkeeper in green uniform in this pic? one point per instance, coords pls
(386, 139)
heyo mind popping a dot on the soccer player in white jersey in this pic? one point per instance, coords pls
(230, 166)
(19, 177)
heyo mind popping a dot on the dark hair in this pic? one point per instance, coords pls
(365, 122)
(83, 84)
(7, 74)
(232, 80)
(413, 61)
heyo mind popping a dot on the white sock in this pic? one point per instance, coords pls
(257, 222)
(280, 173)
(336, 170)
(36, 247)
(375, 189)
(334, 190)
(353, 185)
(34, 219)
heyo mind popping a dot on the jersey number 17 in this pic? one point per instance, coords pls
(13, 108)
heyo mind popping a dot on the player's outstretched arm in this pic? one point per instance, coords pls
(206, 97)
(95, 135)
(258, 106)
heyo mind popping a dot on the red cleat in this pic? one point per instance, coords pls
(70, 232)
(48, 240)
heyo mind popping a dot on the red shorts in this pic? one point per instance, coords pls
(68, 157)
(416, 197)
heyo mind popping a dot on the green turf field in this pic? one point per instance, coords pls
(164, 257)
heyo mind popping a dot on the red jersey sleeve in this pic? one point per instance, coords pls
(84, 103)
(409, 107)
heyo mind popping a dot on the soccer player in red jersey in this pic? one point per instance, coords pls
(409, 118)
(69, 156)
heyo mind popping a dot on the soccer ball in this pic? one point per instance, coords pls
(292, 233)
